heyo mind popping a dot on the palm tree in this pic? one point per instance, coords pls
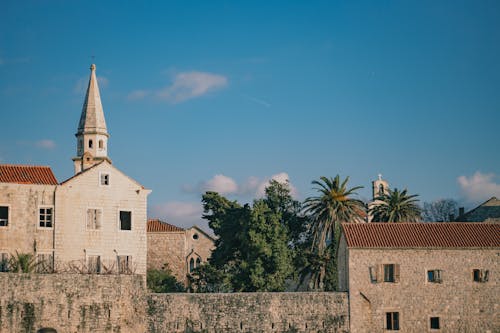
(333, 205)
(395, 206)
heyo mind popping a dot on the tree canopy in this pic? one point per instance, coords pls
(396, 206)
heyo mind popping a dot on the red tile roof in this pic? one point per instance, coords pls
(155, 225)
(27, 174)
(421, 235)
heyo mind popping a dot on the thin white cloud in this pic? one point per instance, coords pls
(188, 85)
(253, 186)
(45, 144)
(479, 186)
(83, 82)
(180, 213)
(221, 184)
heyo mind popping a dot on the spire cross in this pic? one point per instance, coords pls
(379, 176)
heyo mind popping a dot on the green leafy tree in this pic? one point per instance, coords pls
(396, 206)
(254, 250)
(162, 281)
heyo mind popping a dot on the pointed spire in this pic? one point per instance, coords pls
(92, 118)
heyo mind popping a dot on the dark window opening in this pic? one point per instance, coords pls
(435, 323)
(195, 236)
(45, 218)
(198, 262)
(125, 220)
(434, 276)
(381, 190)
(101, 144)
(392, 321)
(91, 143)
(4, 262)
(389, 273)
(480, 275)
(4, 216)
(191, 265)
(104, 179)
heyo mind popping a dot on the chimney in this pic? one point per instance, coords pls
(451, 217)
(461, 211)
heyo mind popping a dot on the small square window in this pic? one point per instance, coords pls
(4, 216)
(434, 276)
(480, 275)
(435, 323)
(125, 220)
(104, 179)
(392, 321)
(45, 220)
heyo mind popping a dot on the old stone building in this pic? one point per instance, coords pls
(488, 211)
(181, 250)
(421, 277)
(94, 221)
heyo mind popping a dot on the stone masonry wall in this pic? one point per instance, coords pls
(75, 303)
(461, 304)
(248, 312)
(72, 303)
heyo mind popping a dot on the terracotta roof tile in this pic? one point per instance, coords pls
(27, 174)
(155, 225)
(417, 235)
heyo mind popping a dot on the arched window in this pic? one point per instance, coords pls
(91, 144)
(101, 144)
(191, 265)
(381, 189)
(198, 262)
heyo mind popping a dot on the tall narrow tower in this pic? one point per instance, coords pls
(92, 135)
(379, 187)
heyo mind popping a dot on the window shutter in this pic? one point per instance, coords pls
(396, 272)
(372, 270)
(380, 273)
(486, 275)
(98, 218)
(89, 219)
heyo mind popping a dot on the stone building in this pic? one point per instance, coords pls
(488, 211)
(94, 221)
(181, 250)
(421, 277)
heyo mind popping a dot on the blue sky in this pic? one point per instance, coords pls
(225, 95)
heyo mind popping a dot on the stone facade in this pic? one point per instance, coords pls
(23, 233)
(460, 303)
(180, 249)
(76, 303)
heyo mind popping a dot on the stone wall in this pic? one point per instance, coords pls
(72, 303)
(461, 304)
(168, 248)
(248, 312)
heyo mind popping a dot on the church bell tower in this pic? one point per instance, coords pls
(92, 134)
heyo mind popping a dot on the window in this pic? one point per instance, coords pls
(4, 262)
(381, 190)
(198, 262)
(195, 236)
(392, 321)
(480, 275)
(94, 217)
(94, 264)
(45, 220)
(125, 220)
(124, 264)
(91, 143)
(434, 276)
(104, 178)
(4, 216)
(45, 263)
(191, 265)
(373, 274)
(435, 323)
(391, 273)
(101, 144)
